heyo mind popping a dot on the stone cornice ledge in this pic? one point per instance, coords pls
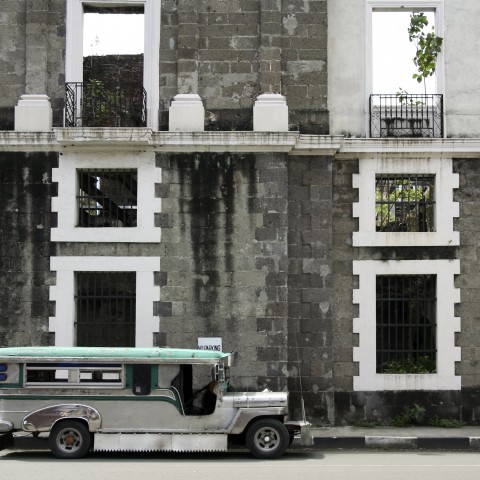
(224, 141)
(413, 147)
(102, 139)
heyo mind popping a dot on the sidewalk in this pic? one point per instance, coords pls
(407, 438)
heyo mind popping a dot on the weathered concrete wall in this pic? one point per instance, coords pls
(461, 68)
(224, 263)
(230, 52)
(346, 68)
(32, 46)
(25, 221)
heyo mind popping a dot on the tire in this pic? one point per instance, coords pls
(267, 438)
(70, 439)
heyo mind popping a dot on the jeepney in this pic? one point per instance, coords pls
(137, 399)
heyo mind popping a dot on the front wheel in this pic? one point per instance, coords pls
(267, 438)
(70, 439)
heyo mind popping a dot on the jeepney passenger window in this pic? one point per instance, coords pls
(91, 375)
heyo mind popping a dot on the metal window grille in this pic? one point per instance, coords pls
(105, 304)
(107, 198)
(405, 203)
(406, 115)
(406, 323)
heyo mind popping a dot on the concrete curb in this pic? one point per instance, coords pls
(393, 438)
(397, 443)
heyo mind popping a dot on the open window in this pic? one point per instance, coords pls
(110, 82)
(198, 388)
(399, 105)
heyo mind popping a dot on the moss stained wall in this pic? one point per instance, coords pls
(25, 220)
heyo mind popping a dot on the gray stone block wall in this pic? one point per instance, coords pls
(32, 47)
(225, 260)
(343, 281)
(230, 52)
(25, 221)
(310, 276)
(469, 279)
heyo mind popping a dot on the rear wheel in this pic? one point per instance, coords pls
(267, 438)
(70, 439)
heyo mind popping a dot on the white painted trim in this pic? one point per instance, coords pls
(447, 325)
(66, 202)
(63, 294)
(370, 5)
(151, 73)
(445, 208)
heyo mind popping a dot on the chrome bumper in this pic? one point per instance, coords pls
(302, 429)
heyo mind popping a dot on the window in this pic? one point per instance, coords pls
(78, 9)
(397, 105)
(81, 375)
(399, 207)
(106, 304)
(99, 199)
(406, 325)
(404, 203)
(120, 291)
(107, 198)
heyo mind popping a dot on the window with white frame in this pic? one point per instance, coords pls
(405, 202)
(406, 325)
(115, 290)
(98, 199)
(397, 104)
(107, 198)
(76, 10)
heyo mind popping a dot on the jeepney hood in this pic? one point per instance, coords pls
(259, 399)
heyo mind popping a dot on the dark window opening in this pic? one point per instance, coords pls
(112, 93)
(406, 323)
(404, 203)
(106, 303)
(196, 389)
(107, 198)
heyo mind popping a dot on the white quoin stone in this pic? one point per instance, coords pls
(270, 113)
(33, 114)
(186, 113)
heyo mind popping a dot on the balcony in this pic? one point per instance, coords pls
(93, 105)
(405, 115)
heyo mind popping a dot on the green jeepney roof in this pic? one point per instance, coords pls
(134, 355)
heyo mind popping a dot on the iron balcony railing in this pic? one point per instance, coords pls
(405, 115)
(92, 104)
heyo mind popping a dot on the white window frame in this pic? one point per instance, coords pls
(447, 326)
(445, 209)
(63, 294)
(151, 73)
(66, 203)
(398, 5)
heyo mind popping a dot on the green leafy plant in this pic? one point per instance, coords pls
(427, 47)
(424, 364)
(411, 416)
(445, 422)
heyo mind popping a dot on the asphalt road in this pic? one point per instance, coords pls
(297, 465)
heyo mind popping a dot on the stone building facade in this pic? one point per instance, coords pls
(217, 214)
